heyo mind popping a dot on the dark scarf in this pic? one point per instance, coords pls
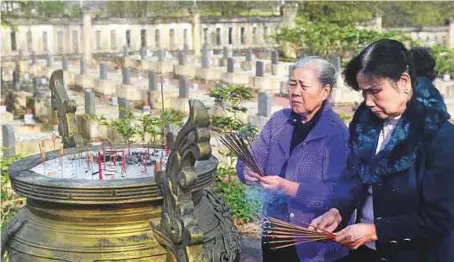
(422, 119)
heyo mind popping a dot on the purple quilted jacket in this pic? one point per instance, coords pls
(315, 164)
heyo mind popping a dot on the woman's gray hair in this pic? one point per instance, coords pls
(327, 74)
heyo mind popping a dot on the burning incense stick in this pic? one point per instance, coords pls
(104, 156)
(115, 158)
(60, 155)
(123, 163)
(99, 166)
(54, 138)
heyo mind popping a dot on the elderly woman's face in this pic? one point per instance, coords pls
(385, 97)
(306, 93)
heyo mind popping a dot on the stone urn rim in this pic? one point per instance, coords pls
(72, 191)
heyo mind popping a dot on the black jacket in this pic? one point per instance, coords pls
(412, 180)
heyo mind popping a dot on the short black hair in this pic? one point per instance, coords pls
(423, 62)
(384, 58)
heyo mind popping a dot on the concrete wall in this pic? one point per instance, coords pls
(109, 34)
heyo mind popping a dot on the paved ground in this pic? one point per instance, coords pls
(251, 250)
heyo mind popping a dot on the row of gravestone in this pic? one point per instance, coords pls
(183, 87)
(8, 135)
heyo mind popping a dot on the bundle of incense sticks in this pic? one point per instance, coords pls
(242, 149)
(285, 234)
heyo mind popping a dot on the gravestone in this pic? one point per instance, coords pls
(182, 58)
(226, 52)
(114, 101)
(274, 57)
(126, 76)
(160, 55)
(259, 68)
(90, 108)
(264, 104)
(336, 61)
(9, 140)
(290, 70)
(15, 77)
(83, 65)
(186, 49)
(21, 54)
(152, 81)
(143, 52)
(49, 60)
(103, 71)
(64, 63)
(183, 87)
(230, 65)
(33, 58)
(249, 55)
(205, 58)
(35, 87)
(123, 106)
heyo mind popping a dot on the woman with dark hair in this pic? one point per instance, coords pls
(400, 169)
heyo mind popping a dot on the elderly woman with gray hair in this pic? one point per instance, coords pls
(302, 150)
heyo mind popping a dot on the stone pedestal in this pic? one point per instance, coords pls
(155, 98)
(130, 92)
(36, 70)
(69, 77)
(44, 112)
(209, 74)
(258, 121)
(31, 147)
(91, 130)
(236, 78)
(342, 95)
(185, 70)
(6, 117)
(248, 65)
(240, 59)
(164, 66)
(131, 62)
(180, 104)
(105, 87)
(85, 81)
(267, 83)
(279, 69)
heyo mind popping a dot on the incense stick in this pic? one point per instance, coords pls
(286, 234)
(242, 150)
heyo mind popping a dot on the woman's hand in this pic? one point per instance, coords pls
(356, 235)
(250, 177)
(275, 183)
(329, 221)
(272, 182)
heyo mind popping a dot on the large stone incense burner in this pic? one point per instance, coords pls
(112, 202)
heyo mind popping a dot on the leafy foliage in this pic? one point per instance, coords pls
(444, 59)
(11, 202)
(244, 202)
(142, 129)
(326, 39)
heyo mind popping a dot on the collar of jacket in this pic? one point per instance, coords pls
(319, 131)
(422, 119)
